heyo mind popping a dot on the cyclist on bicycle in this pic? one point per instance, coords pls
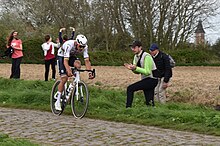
(70, 49)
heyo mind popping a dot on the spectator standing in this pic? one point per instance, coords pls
(63, 39)
(49, 57)
(142, 64)
(165, 72)
(16, 44)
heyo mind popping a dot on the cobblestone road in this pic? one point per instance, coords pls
(44, 127)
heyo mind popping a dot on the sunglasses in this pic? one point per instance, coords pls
(81, 47)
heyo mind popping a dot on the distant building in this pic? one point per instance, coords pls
(200, 34)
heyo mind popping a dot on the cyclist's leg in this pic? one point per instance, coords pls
(62, 83)
(64, 78)
(74, 62)
(77, 64)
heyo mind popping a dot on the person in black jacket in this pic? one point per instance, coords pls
(165, 72)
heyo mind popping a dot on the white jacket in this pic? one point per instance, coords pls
(46, 46)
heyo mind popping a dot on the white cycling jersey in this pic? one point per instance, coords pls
(69, 49)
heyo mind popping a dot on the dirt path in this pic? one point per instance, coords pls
(44, 127)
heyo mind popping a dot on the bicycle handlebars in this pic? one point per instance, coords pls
(83, 70)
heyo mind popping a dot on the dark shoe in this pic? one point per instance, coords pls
(153, 103)
(217, 107)
(148, 105)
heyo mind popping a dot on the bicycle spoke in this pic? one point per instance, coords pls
(53, 99)
(80, 104)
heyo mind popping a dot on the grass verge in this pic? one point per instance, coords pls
(5, 140)
(110, 105)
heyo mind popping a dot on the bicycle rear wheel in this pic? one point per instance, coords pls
(79, 106)
(53, 99)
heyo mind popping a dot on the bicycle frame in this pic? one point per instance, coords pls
(75, 91)
(77, 79)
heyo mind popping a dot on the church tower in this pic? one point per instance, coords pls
(200, 34)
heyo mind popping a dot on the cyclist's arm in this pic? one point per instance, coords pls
(86, 58)
(88, 64)
(66, 64)
(89, 67)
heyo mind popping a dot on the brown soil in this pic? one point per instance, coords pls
(189, 84)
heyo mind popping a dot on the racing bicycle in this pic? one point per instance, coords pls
(75, 92)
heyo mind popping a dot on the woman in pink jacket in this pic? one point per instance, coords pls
(16, 44)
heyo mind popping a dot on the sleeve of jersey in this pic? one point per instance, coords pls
(85, 53)
(148, 63)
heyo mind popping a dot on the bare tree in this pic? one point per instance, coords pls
(110, 24)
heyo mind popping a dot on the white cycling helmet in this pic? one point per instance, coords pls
(81, 40)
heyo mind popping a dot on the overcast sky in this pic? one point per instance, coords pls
(213, 33)
(212, 30)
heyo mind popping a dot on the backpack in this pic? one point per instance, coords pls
(9, 51)
(172, 61)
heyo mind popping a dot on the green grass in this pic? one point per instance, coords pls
(5, 140)
(110, 105)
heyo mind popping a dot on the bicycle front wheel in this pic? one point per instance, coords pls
(80, 100)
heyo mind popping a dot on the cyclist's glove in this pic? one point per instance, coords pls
(91, 76)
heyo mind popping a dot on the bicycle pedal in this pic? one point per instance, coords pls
(81, 99)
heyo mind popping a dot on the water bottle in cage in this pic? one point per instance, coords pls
(68, 91)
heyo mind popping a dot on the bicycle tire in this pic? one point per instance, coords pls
(53, 100)
(79, 107)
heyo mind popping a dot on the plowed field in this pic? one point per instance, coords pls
(189, 84)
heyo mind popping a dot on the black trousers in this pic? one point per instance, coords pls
(147, 85)
(15, 68)
(51, 62)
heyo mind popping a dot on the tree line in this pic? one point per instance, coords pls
(109, 24)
